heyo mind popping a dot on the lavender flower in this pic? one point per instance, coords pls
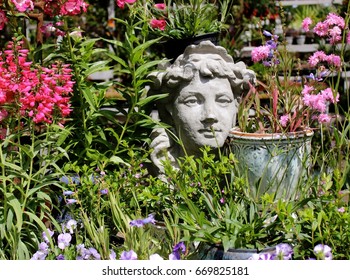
(66, 193)
(63, 240)
(71, 225)
(262, 257)
(141, 222)
(128, 255)
(284, 251)
(39, 255)
(323, 252)
(44, 236)
(42, 252)
(87, 254)
(177, 250)
(71, 201)
(104, 191)
(60, 257)
(112, 255)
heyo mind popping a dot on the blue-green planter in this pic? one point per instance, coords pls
(273, 163)
(216, 252)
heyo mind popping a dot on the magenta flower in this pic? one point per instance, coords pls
(128, 255)
(23, 5)
(121, 3)
(3, 19)
(160, 6)
(158, 24)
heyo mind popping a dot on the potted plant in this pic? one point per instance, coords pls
(233, 228)
(273, 144)
(180, 23)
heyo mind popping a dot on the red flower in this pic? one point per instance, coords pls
(158, 23)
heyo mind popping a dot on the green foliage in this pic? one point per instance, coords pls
(29, 178)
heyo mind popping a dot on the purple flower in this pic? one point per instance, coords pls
(71, 225)
(284, 251)
(323, 252)
(60, 257)
(262, 257)
(141, 222)
(68, 193)
(39, 255)
(42, 252)
(87, 254)
(71, 201)
(177, 250)
(43, 247)
(267, 33)
(128, 255)
(112, 255)
(63, 240)
(46, 239)
(104, 191)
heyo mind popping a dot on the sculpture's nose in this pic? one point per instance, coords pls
(209, 113)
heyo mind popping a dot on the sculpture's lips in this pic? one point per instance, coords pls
(209, 131)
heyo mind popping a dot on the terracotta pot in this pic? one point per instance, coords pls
(273, 163)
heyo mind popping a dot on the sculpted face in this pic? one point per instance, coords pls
(204, 112)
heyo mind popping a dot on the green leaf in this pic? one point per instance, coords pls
(16, 206)
(118, 160)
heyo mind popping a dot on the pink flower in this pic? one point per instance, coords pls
(23, 5)
(321, 29)
(307, 90)
(3, 19)
(73, 7)
(284, 120)
(316, 58)
(333, 59)
(335, 35)
(328, 95)
(333, 19)
(260, 53)
(158, 24)
(324, 118)
(348, 38)
(341, 209)
(306, 24)
(121, 3)
(160, 6)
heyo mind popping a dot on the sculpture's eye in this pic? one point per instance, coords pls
(224, 100)
(191, 101)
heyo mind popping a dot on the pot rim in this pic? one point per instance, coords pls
(235, 132)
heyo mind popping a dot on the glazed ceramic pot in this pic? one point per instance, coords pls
(216, 252)
(273, 163)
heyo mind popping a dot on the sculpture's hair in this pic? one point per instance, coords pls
(217, 63)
